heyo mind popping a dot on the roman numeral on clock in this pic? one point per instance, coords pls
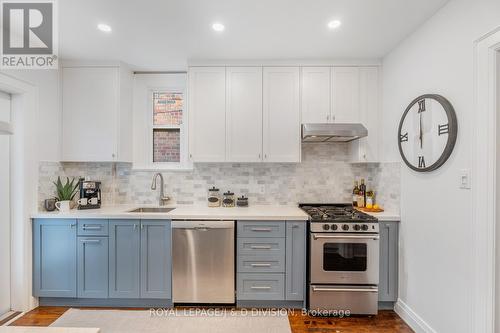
(421, 106)
(421, 162)
(443, 129)
(403, 137)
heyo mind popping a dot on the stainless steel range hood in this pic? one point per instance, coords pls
(332, 132)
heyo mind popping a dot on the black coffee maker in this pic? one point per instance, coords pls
(90, 194)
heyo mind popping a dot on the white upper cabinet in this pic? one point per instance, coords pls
(316, 92)
(367, 149)
(281, 114)
(207, 114)
(243, 114)
(97, 113)
(345, 95)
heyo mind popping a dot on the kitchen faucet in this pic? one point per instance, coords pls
(163, 199)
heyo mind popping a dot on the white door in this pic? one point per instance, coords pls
(345, 94)
(244, 114)
(4, 207)
(282, 137)
(90, 106)
(316, 95)
(207, 114)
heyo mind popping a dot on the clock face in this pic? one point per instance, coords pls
(427, 133)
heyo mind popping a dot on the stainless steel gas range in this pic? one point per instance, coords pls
(343, 259)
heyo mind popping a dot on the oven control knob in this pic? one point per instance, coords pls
(334, 227)
(326, 227)
(357, 227)
(364, 227)
(345, 227)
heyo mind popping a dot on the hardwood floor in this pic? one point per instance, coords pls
(386, 321)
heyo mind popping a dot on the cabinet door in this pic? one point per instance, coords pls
(54, 258)
(316, 94)
(93, 267)
(244, 114)
(281, 114)
(124, 243)
(295, 281)
(156, 259)
(207, 114)
(90, 106)
(345, 94)
(388, 282)
(369, 108)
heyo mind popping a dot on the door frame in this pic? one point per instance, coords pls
(24, 174)
(482, 305)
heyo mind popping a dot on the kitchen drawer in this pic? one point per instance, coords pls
(261, 229)
(261, 264)
(92, 227)
(265, 286)
(261, 247)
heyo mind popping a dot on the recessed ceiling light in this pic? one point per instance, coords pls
(218, 27)
(334, 24)
(104, 27)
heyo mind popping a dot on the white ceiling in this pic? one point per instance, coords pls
(166, 34)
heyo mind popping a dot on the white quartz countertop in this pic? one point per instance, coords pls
(386, 216)
(31, 329)
(184, 212)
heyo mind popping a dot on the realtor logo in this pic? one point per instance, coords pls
(28, 35)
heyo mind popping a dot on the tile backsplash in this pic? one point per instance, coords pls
(325, 175)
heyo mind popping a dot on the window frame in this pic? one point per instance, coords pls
(146, 163)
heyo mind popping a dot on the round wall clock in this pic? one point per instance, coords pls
(427, 133)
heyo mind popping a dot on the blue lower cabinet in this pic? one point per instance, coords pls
(124, 258)
(92, 267)
(54, 258)
(156, 253)
(295, 261)
(265, 286)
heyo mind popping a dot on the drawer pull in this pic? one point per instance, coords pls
(261, 229)
(260, 265)
(260, 247)
(86, 227)
(95, 241)
(260, 288)
(361, 290)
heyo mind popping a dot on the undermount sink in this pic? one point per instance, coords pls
(151, 210)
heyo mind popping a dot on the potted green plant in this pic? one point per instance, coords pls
(65, 193)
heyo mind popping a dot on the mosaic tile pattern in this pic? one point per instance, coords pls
(323, 176)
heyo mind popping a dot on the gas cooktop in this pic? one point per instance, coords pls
(335, 213)
(339, 218)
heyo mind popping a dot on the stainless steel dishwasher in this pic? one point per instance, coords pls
(203, 262)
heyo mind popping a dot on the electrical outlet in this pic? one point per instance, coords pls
(262, 189)
(465, 181)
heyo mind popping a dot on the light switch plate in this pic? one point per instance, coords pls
(465, 181)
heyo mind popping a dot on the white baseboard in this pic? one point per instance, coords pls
(411, 318)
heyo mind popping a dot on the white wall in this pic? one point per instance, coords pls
(49, 109)
(435, 238)
(497, 236)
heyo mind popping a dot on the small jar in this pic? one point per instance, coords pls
(242, 201)
(228, 200)
(213, 197)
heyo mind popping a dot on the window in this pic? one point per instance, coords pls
(160, 138)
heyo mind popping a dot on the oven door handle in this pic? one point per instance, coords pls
(374, 237)
(361, 290)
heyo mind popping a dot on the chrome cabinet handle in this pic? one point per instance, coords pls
(73, 225)
(135, 226)
(260, 265)
(142, 226)
(95, 241)
(370, 290)
(374, 237)
(86, 227)
(261, 229)
(260, 288)
(260, 247)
